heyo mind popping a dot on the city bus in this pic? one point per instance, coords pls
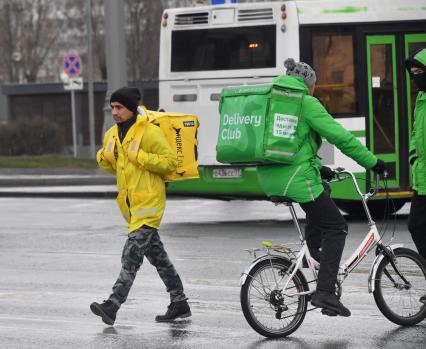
(357, 48)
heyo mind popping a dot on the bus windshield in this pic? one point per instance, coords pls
(223, 48)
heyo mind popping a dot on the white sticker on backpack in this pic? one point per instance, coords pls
(285, 125)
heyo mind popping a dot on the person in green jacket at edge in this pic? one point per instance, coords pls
(416, 66)
(326, 229)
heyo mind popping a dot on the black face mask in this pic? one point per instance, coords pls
(420, 81)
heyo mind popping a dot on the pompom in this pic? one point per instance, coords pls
(289, 64)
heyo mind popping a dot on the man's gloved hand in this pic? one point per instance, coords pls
(327, 173)
(379, 167)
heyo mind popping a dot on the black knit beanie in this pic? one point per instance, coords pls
(127, 96)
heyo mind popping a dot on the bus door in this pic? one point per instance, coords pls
(391, 102)
(383, 103)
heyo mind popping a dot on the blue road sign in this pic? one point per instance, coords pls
(72, 65)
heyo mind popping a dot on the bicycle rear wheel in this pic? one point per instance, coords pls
(270, 310)
(398, 300)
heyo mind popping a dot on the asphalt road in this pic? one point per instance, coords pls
(59, 255)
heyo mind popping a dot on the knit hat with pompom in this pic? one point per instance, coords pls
(302, 70)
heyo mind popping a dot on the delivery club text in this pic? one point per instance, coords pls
(238, 120)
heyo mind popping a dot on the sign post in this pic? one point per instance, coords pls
(73, 67)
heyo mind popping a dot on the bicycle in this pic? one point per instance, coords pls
(275, 292)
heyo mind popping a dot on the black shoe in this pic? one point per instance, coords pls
(175, 310)
(423, 299)
(330, 304)
(107, 310)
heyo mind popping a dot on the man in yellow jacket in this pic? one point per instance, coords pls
(138, 154)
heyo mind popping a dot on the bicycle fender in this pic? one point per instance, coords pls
(244, 275)
(375, 265)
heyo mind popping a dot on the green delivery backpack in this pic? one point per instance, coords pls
(258, 124)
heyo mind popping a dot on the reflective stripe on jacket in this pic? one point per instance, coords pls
(141, 189)
(301, 181)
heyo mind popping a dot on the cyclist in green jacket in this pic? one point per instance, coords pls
(416, 66)
(301, 182)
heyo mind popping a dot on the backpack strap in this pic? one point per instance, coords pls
(110, 149)
(133, 151)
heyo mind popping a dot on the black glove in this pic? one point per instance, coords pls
(413, 160)
(327, 173)
(379, 167)
(412, 157)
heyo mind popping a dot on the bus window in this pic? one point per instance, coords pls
(185, 98)
(223, 48)
(333, 61)
(383, 98)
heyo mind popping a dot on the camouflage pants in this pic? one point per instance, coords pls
(145, 241)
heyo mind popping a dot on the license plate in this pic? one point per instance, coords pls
(227, 172)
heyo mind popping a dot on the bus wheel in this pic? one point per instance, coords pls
(377, 207)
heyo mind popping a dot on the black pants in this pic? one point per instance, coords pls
(417, 222)
(325, 231)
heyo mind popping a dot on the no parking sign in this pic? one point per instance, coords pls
(72, 65)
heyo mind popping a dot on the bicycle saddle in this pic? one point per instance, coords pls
(276, 199)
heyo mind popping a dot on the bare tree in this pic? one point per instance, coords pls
(10, 25)
(143, 35)
(143, 24)
(35, 34)
(75, 36)
(98, 29)
(30, 29)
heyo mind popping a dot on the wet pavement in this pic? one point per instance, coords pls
(59, 255)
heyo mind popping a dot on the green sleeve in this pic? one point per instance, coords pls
(323, 123)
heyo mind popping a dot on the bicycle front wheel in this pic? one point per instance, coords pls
(398, 299)
(269, 309)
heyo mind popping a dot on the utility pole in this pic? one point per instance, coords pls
(116, 58)
(90, 80)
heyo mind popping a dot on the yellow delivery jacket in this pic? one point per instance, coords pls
(141, 188)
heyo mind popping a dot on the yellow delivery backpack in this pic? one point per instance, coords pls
(181, 132)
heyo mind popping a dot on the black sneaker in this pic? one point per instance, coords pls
(423, 299)
(107, 310)
(330, 304)
(175, 310)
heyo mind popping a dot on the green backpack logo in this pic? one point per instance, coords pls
(258, 124)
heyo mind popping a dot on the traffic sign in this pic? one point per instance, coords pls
(72, 65)
(73, 84)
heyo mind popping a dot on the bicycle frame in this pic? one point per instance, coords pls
(276, 284)
(371, 240)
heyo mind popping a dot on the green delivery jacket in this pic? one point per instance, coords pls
(418, 145)
(301, 181)
(418, 137)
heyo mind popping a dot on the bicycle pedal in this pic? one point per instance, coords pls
(328, 312)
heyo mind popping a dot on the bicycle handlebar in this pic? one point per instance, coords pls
(365, 196)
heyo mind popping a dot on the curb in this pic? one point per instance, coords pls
(54, 180)
(57, 183)
(58, 195)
